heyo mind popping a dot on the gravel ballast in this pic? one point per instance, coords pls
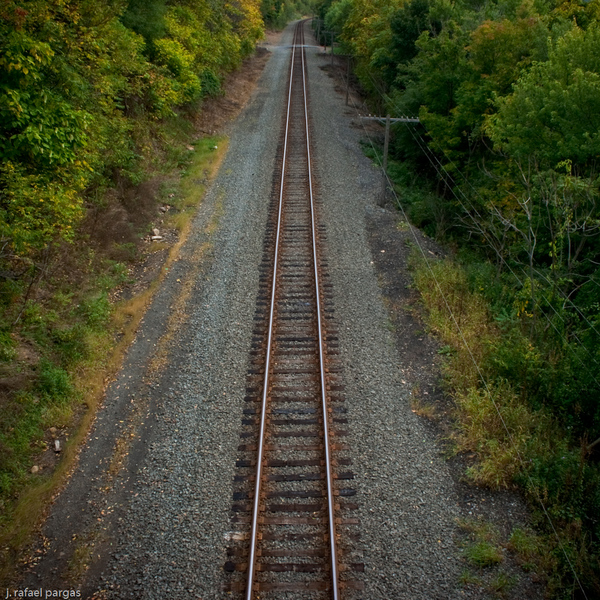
(159, 527)
(408, 506)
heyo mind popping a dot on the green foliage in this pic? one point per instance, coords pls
(96, 310)
(210, 83)
(147, 18)
(54, 382)
(7, 346)
(483, 554)
(278, 13)
(337, 15)
(482, 549)
(504, 166)
(524, 424)
(75, 80)
(33, 211)
(89, 93)
(527, 544)
(553, 112)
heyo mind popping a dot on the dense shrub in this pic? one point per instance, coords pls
(77, 82)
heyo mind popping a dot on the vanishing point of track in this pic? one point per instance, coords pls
(290, 492)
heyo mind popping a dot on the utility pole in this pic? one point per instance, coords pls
(386, 145)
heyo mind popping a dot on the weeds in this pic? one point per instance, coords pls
(69, 339)
(421, 408)
(483, 551)
(483, 554)
(501, 583)
(469, 578)
(532, 550)
(495, 373)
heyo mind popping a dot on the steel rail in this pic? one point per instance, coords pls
(330, 505)
(261, 438)
(299, 34)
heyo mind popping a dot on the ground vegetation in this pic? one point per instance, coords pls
(99, 110)
(503, 169)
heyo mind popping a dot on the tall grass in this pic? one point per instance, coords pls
(518, 442)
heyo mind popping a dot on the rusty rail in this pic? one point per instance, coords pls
(287, 475)
(298, 40)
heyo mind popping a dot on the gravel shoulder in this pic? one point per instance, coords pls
(146, 514)
(146, 510)
(406, 494)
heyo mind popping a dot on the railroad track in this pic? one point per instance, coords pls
(294, 533)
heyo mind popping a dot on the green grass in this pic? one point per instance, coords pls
(518, 444)
(532, 551)
(469, 578)
(483, 554)
(501, 583)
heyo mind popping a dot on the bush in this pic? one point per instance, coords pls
(7, 346)
(96, 310)
(53, 383)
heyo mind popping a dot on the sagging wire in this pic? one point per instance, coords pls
(423, 146)
(468, 182)
(466, 344)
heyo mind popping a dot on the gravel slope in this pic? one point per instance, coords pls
(173, 535)
(159, 527)
(408, 506)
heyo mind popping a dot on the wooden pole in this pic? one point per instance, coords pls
(386, 144)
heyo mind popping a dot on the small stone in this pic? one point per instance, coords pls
(35, 469)
(156, 231)
(156, 238)
(52, 430)
(57, 446)
(163, 209)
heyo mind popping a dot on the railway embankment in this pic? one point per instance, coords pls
(147, 511)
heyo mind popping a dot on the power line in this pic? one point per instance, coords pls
(480, 374)
(424, 148)
(468, 182)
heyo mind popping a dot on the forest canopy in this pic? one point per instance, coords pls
(508, 96)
